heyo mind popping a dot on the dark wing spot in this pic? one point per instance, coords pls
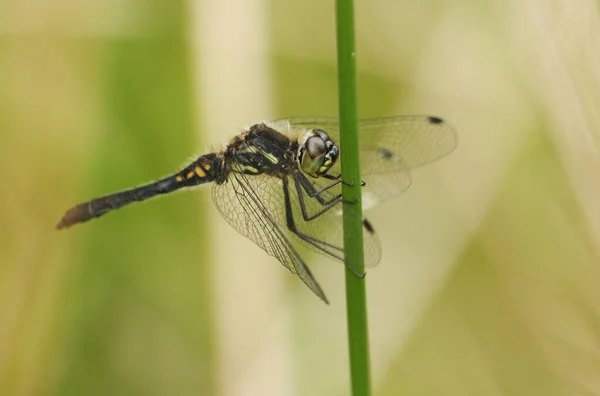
(435, 120)
(386, 154)
(368, 226)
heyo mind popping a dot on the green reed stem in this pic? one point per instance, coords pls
(356, 302)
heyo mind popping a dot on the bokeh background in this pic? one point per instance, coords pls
(489, 283)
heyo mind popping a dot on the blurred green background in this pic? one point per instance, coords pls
(489, 278)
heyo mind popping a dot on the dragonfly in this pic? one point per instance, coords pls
(279, 182)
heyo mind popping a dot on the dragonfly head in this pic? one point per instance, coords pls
(316, 152)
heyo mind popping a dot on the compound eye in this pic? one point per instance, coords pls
(313, 155)
(322, 134)
(315, 147)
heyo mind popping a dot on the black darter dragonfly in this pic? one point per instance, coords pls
(279, 183)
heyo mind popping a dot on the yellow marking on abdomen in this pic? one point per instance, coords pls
(199, 171)
(189, 175)
(179, 178)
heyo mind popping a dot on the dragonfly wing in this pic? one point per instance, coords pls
(389, 147)
(278, 214)
(241, 202)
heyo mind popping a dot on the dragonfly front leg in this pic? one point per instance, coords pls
(300, 182)
(312, 192)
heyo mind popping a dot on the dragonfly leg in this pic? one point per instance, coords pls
(325, 247)
(361, 276)
(312, 192)
(362, 183)
(310, 188)
(330, 177)
(291, 225)
(327, 205)
(302, 181)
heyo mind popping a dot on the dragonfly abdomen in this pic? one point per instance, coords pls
(205, 169)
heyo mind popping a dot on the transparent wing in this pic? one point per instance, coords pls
(389, 147)
(249, 205)
(277, 214)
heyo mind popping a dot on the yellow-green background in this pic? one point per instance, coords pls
(490, 271)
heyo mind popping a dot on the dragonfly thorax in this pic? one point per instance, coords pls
(317, 153)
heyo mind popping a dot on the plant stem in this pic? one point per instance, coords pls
(356, 303)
